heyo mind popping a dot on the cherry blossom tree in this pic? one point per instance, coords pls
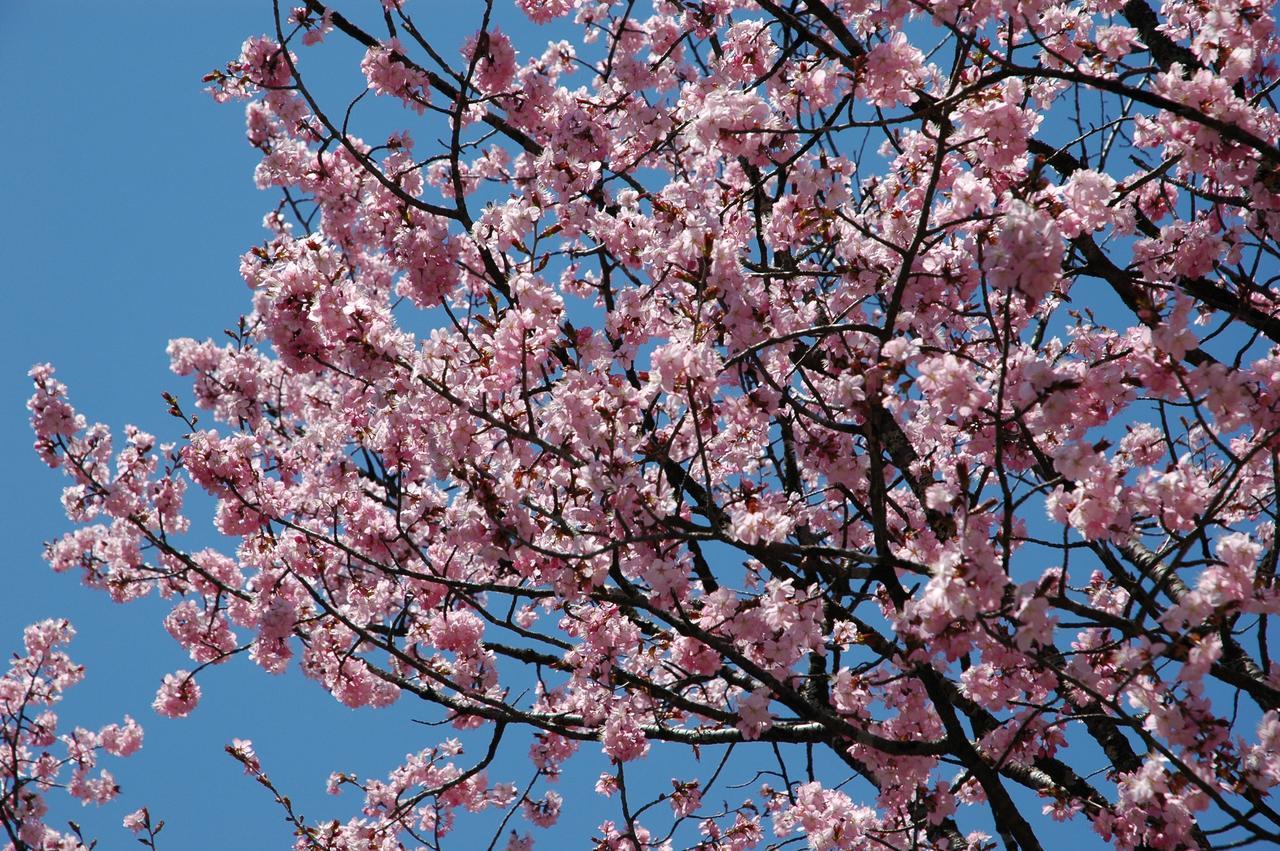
(876, 404)
(33, 684)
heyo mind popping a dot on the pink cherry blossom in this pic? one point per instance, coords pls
(178, 695)
(862, 416)
(30, 768)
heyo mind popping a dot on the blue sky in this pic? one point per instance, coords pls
(129, 199)
(127, 202)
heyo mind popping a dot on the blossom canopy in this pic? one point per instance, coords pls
(874, 404)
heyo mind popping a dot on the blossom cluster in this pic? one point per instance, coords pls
(757, 378)
(35, 758)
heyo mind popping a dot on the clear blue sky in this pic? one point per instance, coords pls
(128, 198)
